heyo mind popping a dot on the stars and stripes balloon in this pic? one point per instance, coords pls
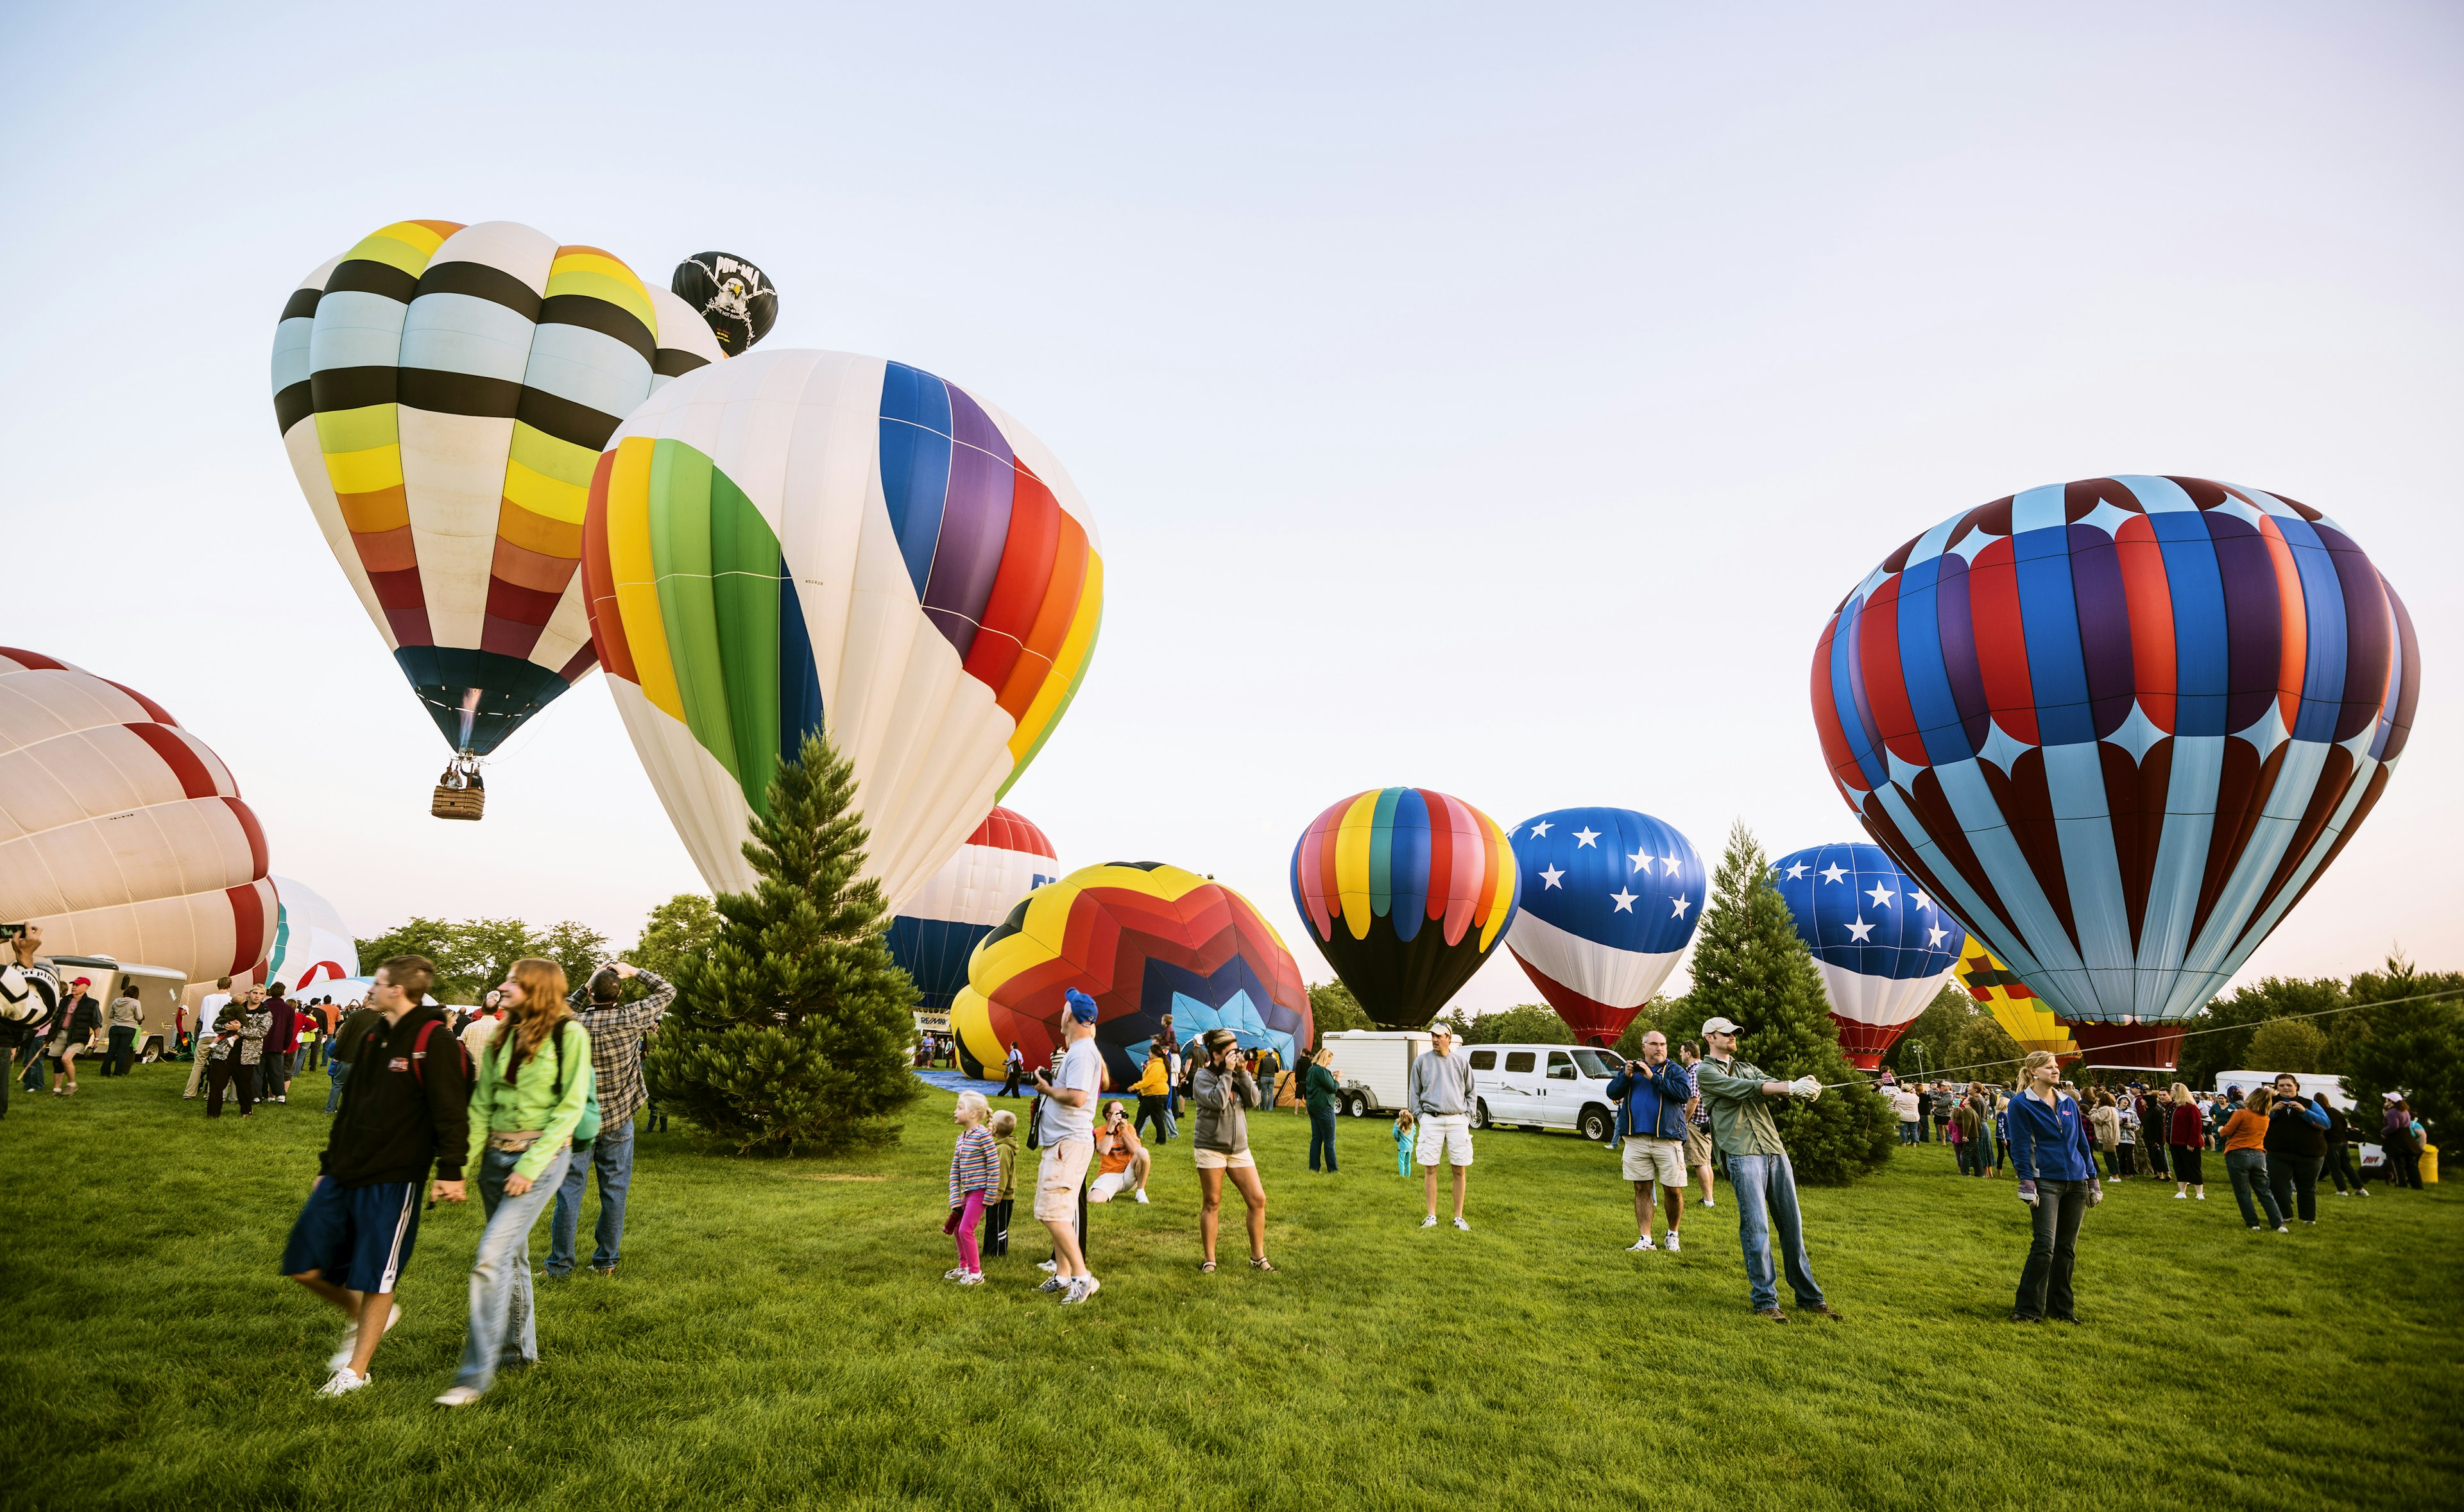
(2120, 727)
(444, 391)
(1405, 891)
(1610, 898)
(1145, 940)
(793, 539)
(1004, 861)
(2020, 1012)
(1879, 940)
(121, 834)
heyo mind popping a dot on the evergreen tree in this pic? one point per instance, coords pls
(790, 1034)
(1750, 967)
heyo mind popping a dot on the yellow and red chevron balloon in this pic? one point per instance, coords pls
(1144, 940)
(444, 391)
(2022, 1014)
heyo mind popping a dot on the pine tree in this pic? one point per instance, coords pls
(1750, 966)
(790, 1034)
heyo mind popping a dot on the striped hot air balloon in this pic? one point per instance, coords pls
(444, 391)
(1405, 891)
(2120, 727)
(1882, 942)
(120, 833)
(1144, 940)
(799, 538)
(1004, 861)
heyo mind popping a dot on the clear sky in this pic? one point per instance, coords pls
(1494, 399)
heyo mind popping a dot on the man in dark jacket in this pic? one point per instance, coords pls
(405, 1106)
(1651, 1097)
(29, 1000)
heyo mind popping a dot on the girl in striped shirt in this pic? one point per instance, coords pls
(975, 1169)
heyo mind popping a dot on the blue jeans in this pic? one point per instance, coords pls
(1909, 1133)
(339, 1071)
(2248, 1168)
(503, 1328)
(611, 1154)
(1766, 1197)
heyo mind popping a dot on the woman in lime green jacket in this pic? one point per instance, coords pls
(527, 1106)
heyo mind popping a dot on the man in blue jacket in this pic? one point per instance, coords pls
(1652, 1094)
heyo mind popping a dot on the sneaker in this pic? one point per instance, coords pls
(459, 1397)
(1642, 1244)
(1671, 1245)
(350, 1345)
(1048, 1267)
(2203, 1197)
(1460, 1224)
(1429, 1223)
(2283, 1228)
(973, 1278)
(954, 1273)
(345, 1381)
(1079, 1289)
(2180, 1195)
(2361, 1191)
(1054, 1284)
(1708, 1203)
(1142, 1195)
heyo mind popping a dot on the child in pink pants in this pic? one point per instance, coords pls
(975, 1169)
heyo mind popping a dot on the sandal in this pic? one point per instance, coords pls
(1206, 1269)
(1263, 1264)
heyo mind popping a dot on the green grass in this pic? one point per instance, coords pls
(779, 1337)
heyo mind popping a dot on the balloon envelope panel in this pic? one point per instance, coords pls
(311, 942)
(2119, 726)
(2020, 1012)
(1144, 940)
(1610, 898)
(121, 834)
(1879, 940)
(1004, 860)
(795, 540)
(1405, 890)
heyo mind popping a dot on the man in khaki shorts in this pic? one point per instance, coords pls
(1651, 1097)
(1069, 1139)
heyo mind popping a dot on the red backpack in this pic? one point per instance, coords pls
(419, 1052)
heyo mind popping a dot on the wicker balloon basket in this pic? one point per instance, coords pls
(461, 793)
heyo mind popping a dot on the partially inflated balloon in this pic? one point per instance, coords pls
(1881, 941)
(2022, 1016)
(444, 391)
(1144, 940)
(1610, 900)
(2120, 727)
(1004, 861)
(1405, 891)
(120, 833)
(311, 942)
(734, 297)
(799, 539)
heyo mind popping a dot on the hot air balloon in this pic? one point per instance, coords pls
(2021, 1014)
(733, 297)
(1144, 940)
(2120, 727)
(1405, 891)
(1004, 861)
(311, 942)
(120, 833)
(1881, 941)
(444, 391)
(800, 536)
(1610, 899)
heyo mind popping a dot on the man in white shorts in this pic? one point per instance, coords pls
(1123, 1161)
(1069, 1138)
(1651, 1096)
(1441, 1098)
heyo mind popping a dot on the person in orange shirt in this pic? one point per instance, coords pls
(2246, 1163)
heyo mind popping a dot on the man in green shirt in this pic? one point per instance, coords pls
(1738, 1094)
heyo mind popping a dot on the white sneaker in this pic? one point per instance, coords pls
(1142, 1195)
(973, 1278)
(1081, 1287)
(459, 1397)
(1460, 1224)
(2203, 1197)
(1429, 1223)
(954, 1273)
(1708, 1203)
(1642, 1244)
(2283, 1228)
(2361, 1191)
(1048, 1266)
(350, 1345)
(2179, 1195)
(345, 1381)
(1671, 1245)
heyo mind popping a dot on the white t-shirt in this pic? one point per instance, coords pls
(1082, 1069)
(1904, 1104)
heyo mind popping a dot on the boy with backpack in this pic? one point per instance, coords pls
(408, 1107)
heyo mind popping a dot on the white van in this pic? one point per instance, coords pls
(1544, 1086)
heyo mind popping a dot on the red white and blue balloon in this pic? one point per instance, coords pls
(1610, 900)
(1882, 942)
(1004, 861)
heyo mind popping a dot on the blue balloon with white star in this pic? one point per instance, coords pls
(1883, 944)
(1610, 900)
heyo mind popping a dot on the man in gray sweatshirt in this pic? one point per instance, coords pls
(1442, 1107)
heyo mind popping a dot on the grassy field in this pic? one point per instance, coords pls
(779, 1337)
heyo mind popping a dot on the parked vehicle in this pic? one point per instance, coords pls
(1544, 1086)
(1374, 1068)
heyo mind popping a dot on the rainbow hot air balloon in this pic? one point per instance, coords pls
(1610, 900)
(2017, 1010)
(1881, 941)
(1004, 861)
(1405, 891)
(2120, 727)
(444, 391)
(1144, 940)
(120, 833)
(797, 538)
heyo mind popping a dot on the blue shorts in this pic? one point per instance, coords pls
(360, 1238)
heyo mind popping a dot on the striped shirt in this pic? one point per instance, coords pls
(975, 1165)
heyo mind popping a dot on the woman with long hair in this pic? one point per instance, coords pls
(2246, 1163)
(528, 1100)
(2186, 1134)
(1223, 1091)
(2106, 1121)
(2056, 1170)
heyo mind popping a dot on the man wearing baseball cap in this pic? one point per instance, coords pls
(1069, 1139)
(1441, 1104)
(1737, 1092)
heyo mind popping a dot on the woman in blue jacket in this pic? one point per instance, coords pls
(2049, 1152)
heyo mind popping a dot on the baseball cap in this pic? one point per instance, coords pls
(83, 981)
(1081, 1006)
(1716, 1026)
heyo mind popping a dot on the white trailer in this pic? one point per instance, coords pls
(1375, 1066)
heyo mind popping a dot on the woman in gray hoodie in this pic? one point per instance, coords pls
(1223, 1091)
